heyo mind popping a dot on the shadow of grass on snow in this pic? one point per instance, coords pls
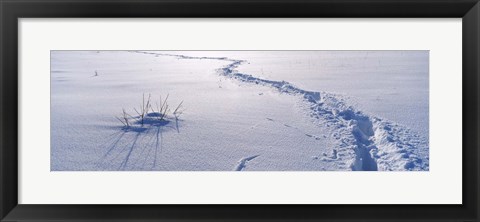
(137, 146)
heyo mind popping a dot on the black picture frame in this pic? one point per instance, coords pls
(12, 10)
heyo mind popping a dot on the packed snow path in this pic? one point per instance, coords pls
(378, 144)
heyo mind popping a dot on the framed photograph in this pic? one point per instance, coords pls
(228, 110)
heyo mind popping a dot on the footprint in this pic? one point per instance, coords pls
(242, 163)
(334, 154)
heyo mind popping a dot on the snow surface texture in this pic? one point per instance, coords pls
(233, 120)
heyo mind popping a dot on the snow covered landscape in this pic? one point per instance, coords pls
(239, 111)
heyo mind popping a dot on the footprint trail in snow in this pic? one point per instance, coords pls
(377, 144)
